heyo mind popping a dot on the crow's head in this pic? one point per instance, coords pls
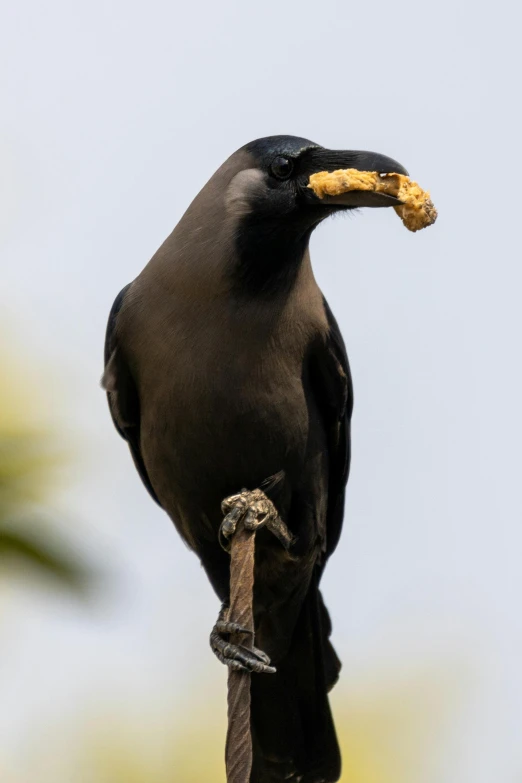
(275, 186)
(263, 188)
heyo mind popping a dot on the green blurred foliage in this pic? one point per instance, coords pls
(29, 456)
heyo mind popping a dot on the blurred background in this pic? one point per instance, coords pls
(114, 114)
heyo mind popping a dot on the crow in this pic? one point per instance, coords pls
(224, 366)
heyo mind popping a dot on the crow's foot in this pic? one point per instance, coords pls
(236, 656)
(256, 510)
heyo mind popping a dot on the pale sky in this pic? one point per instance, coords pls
(114, 115)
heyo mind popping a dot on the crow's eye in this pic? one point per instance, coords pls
(282, 167)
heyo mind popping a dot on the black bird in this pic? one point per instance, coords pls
(223, 366)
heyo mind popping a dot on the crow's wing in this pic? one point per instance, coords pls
(122, 395)
(332, 387)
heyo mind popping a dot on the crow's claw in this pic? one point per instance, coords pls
(236, 656)
(257, 511)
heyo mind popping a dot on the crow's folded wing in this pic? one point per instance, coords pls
(332, 387)
(122, 394)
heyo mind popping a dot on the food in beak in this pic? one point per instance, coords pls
(416, 211)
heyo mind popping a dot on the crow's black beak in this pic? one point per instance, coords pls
(331, 160)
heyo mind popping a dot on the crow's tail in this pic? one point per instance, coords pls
(292, 727)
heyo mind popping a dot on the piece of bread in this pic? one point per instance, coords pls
(417, 210)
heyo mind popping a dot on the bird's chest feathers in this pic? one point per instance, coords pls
(235, 388)
(232, 389)
(245, 376)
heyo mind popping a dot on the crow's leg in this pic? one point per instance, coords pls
(235, 655)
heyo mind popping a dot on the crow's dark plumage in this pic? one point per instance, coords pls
(225, 365)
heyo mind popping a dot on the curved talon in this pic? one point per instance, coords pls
(262, 656)
(234, 665)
